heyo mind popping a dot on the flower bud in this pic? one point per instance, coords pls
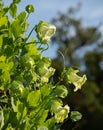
(29, 8)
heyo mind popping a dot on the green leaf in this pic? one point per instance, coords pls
(16, 1)
(55, 104)
(33, 98)
(9, 127)
(46, 89)
(13, 10)
(13, 104)
(21, 110)
(3, 21)
(32, 50)
(1, 119)
(8, 51)
(25, 26)
(42, 128)
(42, 69)
(25, 93)
(13, 119)
(2, 58)
(6, 76)
(1, 41)
(16, 28)
(50, 123)
(17, 88)
(6, 112)
(75, 116)
(42, 116)
(61, 91)
(21, 17)
(4, 99)
(5, 9)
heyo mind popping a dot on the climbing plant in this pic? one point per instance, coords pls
(29, 99)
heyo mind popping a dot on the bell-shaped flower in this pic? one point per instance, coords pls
(62, 113)
(45, 78)
(71, 76)
(45, 31)
(55, 105)
(79, 82)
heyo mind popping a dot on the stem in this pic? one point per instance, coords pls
(27, 16)
(63, 58)
(30, 32)
(29, 43)
(45, 48)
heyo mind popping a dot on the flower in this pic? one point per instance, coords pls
(62, 113)
(45, 31)
(79, 82)
(71, 76)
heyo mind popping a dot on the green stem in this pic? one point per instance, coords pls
(27, 16)
(30, 32)
(31, 42)
(45, 48)
(63, 58)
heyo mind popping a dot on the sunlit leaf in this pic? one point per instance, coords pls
(42, 128)
(21, 17)
(16, 28)
(46, 90)
(1, 119)
(21, 110)
(1, 41)
(3, 21)
(33, 98)
(13, 10)
(42, 116)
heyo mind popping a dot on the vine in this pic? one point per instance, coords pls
(29, 100)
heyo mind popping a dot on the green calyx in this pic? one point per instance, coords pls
(29, 8)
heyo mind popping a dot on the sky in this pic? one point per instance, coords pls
(91, 13)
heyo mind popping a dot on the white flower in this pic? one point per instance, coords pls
(45, 31)
(71, 76)
(79, 82)
(62, 113)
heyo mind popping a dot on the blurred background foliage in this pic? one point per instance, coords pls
(81, 47)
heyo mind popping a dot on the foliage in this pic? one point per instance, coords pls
(82, 47)
(29, 99)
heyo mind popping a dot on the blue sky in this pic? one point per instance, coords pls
(91, 12)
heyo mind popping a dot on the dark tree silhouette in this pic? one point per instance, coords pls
(81, 47)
